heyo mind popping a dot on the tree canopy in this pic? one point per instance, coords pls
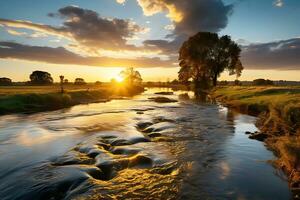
(261, 81)
(204, 56)
(79, 81)
(131, 76)
(5, 81)
(40, 78)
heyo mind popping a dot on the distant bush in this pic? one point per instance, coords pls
(237, 82)
(79, 81)
(223, 83)
(262, 81)
(98, 83)
(5, 81)
(175, 82)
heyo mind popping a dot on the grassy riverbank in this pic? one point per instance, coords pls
(278, 111)
(29, 99)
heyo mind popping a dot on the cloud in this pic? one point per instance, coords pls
(32, 26)
(14, 32)
(86, 28)
(121, 1)
(278, 3)
(60, 55)
(170, 27)
(280, 55)
(188, 17)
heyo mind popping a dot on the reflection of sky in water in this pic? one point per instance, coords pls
(244, 170)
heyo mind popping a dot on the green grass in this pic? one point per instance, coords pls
(55, 88)
(282, 103)
(28, 99)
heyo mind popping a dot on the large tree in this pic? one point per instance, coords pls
(41, 78)
(131, 76)
(204, 56)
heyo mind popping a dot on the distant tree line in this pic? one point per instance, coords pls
(129, 75)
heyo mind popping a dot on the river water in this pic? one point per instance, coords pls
(136, 149)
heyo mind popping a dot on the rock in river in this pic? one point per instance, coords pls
(162, 100)
(164, 93)
(259, 136)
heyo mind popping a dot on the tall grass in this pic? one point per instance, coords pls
(281, 105)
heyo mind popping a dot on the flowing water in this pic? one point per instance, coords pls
(136, 149)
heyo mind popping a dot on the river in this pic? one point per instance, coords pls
(136, 149)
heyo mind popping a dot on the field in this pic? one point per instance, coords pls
(29, 99)
(10, 90)
(282, 101)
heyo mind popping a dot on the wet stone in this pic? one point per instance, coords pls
(119, 142)
(140, 161)
(125, 151)
(259, 136)
(143, 125)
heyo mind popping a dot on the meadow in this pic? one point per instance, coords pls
(29, 99)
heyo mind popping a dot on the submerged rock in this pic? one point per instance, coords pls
(164, 93)
(143, 125)
(259, 136)
(140, 161)
(162, 100)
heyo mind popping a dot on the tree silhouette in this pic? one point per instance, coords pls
(41, 78)
(261, 81)
(5, 81)
(131, 76)
(204, 56)
(61, 77)
(79, 81)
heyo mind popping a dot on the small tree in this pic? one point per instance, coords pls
(131, 76)
(40, 78)
(61, 77)
(237, 82)
(5, 81)
(175, 82)
(79, 81)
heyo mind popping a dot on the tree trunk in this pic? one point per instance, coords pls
(215, 80)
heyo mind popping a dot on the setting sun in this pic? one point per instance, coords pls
(119, 78)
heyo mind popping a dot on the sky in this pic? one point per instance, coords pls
(96, 39)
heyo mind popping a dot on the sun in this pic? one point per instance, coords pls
(119, 78)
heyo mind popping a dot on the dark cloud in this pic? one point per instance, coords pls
(87, 28)
(60, 55)
(92, 30)
(280, 55)
(189, 17)
(201, 15)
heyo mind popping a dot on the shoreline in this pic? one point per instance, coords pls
(277, 133)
